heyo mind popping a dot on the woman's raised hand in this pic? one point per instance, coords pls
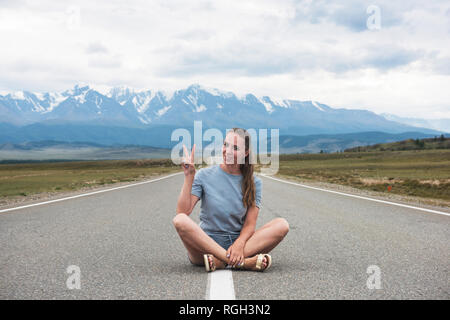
(187, 162)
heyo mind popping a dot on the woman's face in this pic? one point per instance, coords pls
(233, 149)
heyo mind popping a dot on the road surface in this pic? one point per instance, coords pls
(125, 247)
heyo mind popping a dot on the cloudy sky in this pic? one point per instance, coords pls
(383, 56)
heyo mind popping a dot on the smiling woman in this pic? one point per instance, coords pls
(231, 199)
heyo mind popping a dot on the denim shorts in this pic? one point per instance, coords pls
(224, 239)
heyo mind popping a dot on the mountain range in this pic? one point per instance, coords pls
(442, 124)
(122, 115)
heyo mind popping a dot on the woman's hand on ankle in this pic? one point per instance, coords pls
(235, 253)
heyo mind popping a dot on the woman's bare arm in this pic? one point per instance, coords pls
(186, 200)
(236, 251)
(249, 227)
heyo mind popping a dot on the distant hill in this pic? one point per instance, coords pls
(58, 150)
(437, 142)
(442, 124)
(88, 150)
(339, 142)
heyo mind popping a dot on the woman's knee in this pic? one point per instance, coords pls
(282, 226)
(180, 221)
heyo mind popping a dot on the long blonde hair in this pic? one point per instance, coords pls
(248, 184)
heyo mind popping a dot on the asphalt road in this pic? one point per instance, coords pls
(126, 247)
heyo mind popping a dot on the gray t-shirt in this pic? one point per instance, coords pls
(222, 209)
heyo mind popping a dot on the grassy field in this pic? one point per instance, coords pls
(422, 173)
(23, 179)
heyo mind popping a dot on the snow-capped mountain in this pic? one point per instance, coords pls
(127, 107)
(438, 124)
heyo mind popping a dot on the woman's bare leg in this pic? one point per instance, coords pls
(267, 237)
(264, 240)
(196, 241)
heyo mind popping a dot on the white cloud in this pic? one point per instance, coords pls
(306, 50)
(96, 48)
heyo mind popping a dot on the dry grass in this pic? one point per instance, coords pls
(33, 178)
(421, 173)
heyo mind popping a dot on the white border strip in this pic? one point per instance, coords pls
(360, 197)
(220, 285)
(87, 194)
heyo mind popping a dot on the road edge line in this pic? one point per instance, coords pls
(356, 196)
(87, 194)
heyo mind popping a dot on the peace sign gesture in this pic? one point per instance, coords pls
(187, 162)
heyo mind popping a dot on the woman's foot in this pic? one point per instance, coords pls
(250, 263)
(213, 261)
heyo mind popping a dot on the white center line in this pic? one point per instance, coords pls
(361, 197)
(220, 285)
(88, 194)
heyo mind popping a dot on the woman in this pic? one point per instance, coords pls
(231, 199)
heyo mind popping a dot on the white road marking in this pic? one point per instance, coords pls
(220, 285)
(88, 194)
(361, 197)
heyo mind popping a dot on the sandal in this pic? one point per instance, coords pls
(206, 260)
(259, 261)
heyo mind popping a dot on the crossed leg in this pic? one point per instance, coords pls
(197, 242)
